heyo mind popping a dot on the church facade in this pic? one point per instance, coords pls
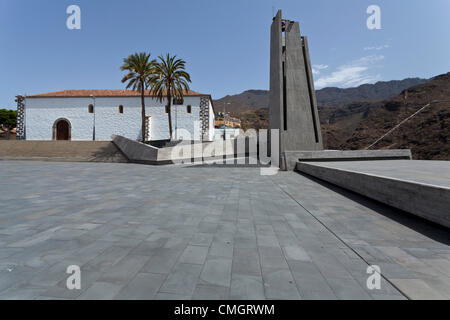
(98, 114)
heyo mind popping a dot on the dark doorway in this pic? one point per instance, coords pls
(61, 130)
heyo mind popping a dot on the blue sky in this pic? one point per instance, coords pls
(225, 43)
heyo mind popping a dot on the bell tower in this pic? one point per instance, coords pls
(292, 99)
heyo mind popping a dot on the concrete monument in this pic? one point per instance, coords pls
(292, 101)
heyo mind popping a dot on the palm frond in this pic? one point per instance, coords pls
(170, 77)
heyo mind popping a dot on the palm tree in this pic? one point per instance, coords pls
(170, 80)
(140, 68)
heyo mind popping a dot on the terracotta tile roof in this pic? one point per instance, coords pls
(101, 93)
(13, 131)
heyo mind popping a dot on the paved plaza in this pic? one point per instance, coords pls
(180, 232)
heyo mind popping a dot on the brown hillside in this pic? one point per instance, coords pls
(356, 125)
(427, 134)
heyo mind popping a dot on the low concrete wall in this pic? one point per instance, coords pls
(291, 157)
(210, 150)
(424, 200)
(136, 151)
(143, 153)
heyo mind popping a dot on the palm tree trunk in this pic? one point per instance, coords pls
(169, 111)
(144, 134)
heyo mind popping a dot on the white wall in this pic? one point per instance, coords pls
(109, 121)
(159, 128)
(41, 113)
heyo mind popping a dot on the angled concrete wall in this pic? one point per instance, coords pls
(303, 127)
(135, 151)
(186, 151)
(292, 157)
(430, 200)
(276, 74)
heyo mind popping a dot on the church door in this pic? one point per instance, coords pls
(62, 130)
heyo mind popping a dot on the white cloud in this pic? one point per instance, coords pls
(369, 59)
(377, 47)
(320, 66)
(352, 74)
(317, 67)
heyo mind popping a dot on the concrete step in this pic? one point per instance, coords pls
(419, 187)
(79, 151)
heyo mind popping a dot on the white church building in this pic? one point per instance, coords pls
(98, 114)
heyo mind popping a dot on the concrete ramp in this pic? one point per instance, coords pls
(64, 151)
(415, 186)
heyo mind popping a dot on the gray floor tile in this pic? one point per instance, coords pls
(280, 284)
(246, 261)
(101, 291)
(246, 287)
(162, 260)
(209, 292)
(217, 271)
(182, 280)
(194, 254)
(123, 271)
(143, 287)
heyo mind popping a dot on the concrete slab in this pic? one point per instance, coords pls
(418, 187)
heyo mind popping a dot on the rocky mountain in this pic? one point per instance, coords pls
(354, 118)
(255, 99)
(366, 92)
(247, 100)
(427, 134)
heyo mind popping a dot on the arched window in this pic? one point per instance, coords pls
(91, 108)
(121, 109)
(177, 101)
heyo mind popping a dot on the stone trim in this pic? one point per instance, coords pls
(204, 117)
(20, 129)
(147, 128)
